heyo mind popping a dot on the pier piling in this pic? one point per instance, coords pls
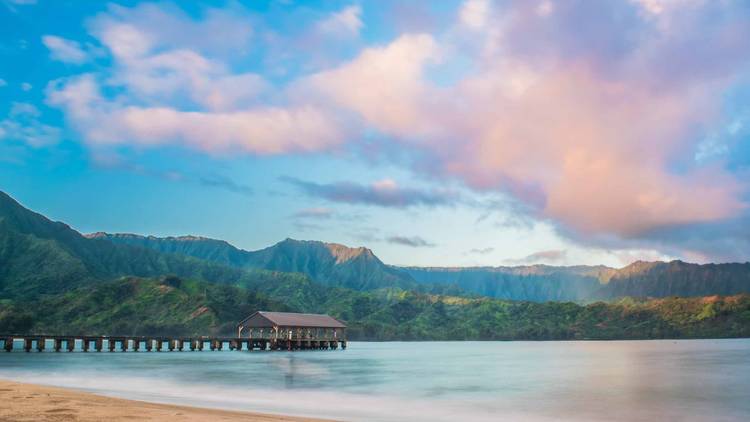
(270, 342)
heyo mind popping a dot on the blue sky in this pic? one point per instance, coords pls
(436, 133)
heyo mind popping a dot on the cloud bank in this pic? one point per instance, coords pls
(608, 119)
(412, 242)
(383, 193)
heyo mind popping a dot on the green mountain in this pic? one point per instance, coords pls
(54, 280)
(171, 306)
(330, 264)
(358, 268)
(538, 283)
(586, 283)
(677, 278)
(42, 257)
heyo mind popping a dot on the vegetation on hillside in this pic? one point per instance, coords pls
(54, 280)
(359, 269)
(170, 305)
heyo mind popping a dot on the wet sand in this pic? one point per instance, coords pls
(29, 402)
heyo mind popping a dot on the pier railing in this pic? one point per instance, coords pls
(72, 343)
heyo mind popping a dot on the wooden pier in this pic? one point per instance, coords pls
(70, 343)
(262, 331)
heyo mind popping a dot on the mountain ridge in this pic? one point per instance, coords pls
(338, 265)
(53, 279)
(79, 259)
(331, 264)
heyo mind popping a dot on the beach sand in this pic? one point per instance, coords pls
(29, 402)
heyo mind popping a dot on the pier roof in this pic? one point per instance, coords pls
(289, 319)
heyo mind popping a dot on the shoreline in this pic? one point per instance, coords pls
(34, 402)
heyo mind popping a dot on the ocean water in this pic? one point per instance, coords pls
(689, 380)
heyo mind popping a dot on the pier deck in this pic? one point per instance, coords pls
(73, 343)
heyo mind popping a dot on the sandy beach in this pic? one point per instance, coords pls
(29, 402)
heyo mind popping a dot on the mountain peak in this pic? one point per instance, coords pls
(344, 253)
(341, 253)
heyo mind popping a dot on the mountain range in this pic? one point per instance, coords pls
(359, 269)
(56, 280)
(330, 264)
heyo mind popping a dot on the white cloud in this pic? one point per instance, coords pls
(347, 20)
(259, 130)
(174, 89)
(156, 70)
(65, 50)
(23, 109)
(474, 14)
(546, 115)
(22, 124)
(3, 83)
(26, 86)
(709, 149)
(225, 32)
(384, 84)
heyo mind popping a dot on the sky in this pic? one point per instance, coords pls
(451, 133)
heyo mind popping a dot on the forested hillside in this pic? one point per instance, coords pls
(54, 280)
(169, 305)
(359, 269)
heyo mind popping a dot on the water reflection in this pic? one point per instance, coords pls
(629, 380)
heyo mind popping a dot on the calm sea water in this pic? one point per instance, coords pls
(435, 381)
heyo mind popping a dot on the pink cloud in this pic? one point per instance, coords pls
(587, 145)
(260, 130)
(384, 85)
(589, 113)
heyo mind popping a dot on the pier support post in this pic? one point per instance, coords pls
(71, 344)
(136, 344)
(40, 344)
(8, 346)
(85, 344)
(149, 344)
(58, 344)
(217, 344)
(159, 343)
(124, 344)
(99, 344)
(27, 344)
(111, 344)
